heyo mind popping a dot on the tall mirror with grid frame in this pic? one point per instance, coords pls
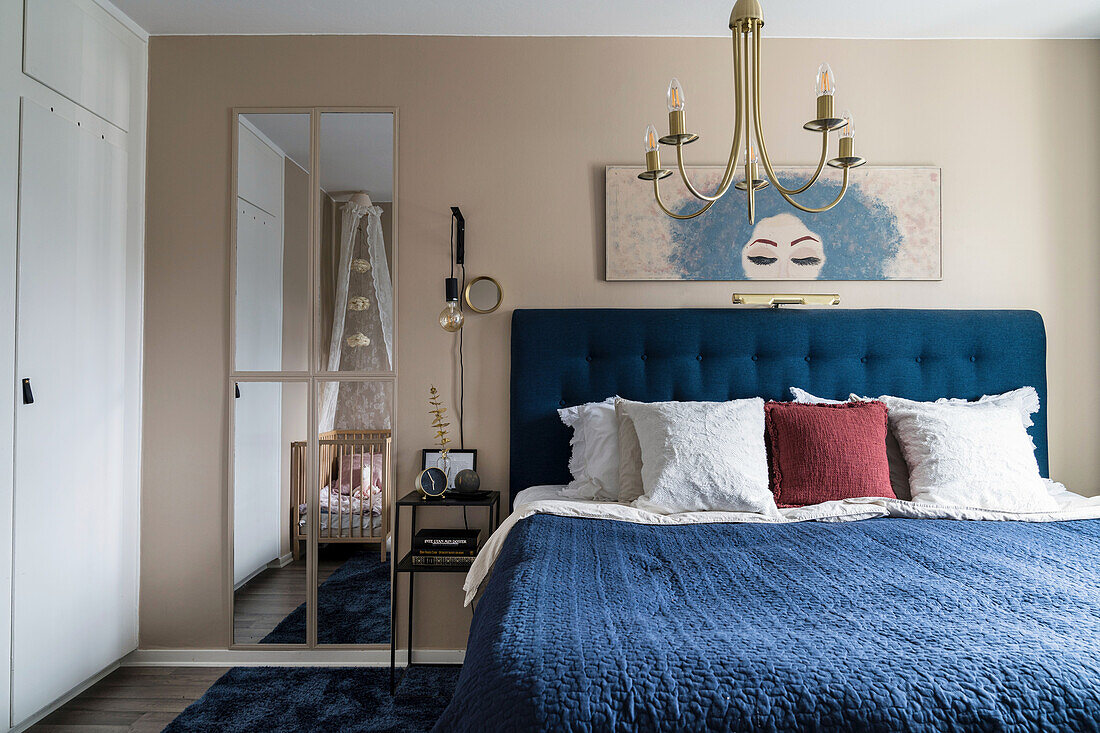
(270, 569)
(356, 278)
(314, 294)
(271, 273)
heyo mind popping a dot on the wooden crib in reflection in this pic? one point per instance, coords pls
(354, 497)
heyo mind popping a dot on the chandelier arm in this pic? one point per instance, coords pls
(750, 187)
(813, 179)
(661, 203)
(818, 210)
(731, 164)
(760, 133)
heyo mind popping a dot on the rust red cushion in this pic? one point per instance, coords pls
(822, 453)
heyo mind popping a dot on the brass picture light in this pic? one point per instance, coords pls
(777, 299)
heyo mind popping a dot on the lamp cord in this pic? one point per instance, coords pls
(461, 385)
(461, 367)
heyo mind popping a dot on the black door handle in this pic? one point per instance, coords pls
(28, 396)
(236, 391)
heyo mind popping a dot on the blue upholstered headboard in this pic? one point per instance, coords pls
(568, 357)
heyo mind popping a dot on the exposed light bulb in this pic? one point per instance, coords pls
(651, 139)
(675, 96)
(849, 129)
(826, 83)
(753, 157)
(450, 319)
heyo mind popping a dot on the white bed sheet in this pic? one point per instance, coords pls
(548, 500)
(538, 493)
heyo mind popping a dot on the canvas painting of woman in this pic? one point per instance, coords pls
(886, 228)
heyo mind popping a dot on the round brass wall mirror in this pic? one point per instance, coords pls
(483, 294)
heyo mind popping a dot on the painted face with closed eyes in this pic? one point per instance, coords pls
(783, 248)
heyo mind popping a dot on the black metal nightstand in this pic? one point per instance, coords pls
(405, 565)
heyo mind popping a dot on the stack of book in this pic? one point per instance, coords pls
(445, 546)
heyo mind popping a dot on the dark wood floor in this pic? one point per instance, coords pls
(261, 603)
(139, 699)
(145, 699)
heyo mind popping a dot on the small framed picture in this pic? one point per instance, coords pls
(459, 460)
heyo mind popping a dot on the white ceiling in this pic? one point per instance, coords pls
(356, 149)
(783, 18)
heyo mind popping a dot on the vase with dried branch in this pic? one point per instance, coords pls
(439, 422)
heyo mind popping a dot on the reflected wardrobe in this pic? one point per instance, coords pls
(314, 374)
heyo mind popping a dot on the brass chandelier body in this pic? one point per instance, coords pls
(746, 22)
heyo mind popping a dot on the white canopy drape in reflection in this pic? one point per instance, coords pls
(383, 286)
(350, 215)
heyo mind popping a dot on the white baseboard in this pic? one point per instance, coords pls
(279, 562)
(286, 657)
(37, 717)
(282, 562)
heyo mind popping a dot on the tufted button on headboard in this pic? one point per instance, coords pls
(568, 357)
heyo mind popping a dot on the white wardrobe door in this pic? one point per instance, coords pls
(259, 291)
(74, 587)
(81, 53)
(257, 464)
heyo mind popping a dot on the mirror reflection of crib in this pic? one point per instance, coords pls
(353, 489)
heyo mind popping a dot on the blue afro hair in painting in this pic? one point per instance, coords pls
(860, 235)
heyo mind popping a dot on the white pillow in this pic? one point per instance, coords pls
(974, 455)
(702, 456)
(1024, 400)
(630, 455)
(594, 462)
(803, 397)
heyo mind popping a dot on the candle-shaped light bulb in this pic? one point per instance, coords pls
(826, 84)
(651, 139)
(849, 129)
(675, 96)
(753, 157)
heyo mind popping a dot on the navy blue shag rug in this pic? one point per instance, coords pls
(353, 606)
(293, 699)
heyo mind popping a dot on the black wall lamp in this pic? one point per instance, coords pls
(451, 318)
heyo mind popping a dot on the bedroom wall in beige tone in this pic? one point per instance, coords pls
(517, 131)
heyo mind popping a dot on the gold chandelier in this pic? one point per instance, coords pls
(746, 20)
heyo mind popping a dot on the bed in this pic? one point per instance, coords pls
(353, 497)
(881, 624)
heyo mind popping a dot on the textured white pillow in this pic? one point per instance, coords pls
(594, 462)
(1024, 401)
(976, 455)
(899, 472)
(803, 397)
(702, 456)
(630, 456)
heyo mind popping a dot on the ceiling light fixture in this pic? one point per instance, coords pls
(746, 20)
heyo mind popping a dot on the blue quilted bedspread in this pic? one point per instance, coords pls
(885, 624)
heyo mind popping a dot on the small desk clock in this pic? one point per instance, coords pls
(432, 483)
